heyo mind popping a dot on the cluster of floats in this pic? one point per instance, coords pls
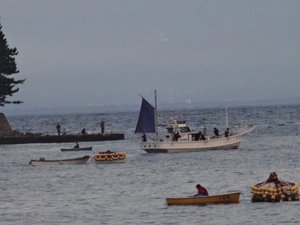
(100, 157)
(271, 190)
(109, 156)
(275, 190)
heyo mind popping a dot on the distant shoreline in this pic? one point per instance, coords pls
(21, 110)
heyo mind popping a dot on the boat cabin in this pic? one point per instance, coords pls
(178, 130)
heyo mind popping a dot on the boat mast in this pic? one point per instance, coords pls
(226, 117)
(155, 113)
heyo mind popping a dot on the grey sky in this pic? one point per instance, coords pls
(78, 53)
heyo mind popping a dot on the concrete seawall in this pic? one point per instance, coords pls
(8, 136)
(60, 139)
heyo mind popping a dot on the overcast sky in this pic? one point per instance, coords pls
(102, 52)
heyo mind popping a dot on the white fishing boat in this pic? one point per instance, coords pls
(180, 138)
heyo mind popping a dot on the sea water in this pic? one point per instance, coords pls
(134, 192)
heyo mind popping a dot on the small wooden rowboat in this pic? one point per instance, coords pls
(74, 161)
(213, 199)
(77, 149)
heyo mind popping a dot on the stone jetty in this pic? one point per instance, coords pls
(8, 136)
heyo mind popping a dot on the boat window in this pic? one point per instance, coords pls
(185, 129)
(170, 129)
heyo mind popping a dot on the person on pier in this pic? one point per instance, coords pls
(102, 125)
(58, 129)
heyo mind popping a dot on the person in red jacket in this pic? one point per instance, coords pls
(201, 191)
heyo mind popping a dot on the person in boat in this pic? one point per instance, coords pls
(197, 136)
(216, 132)
(76, 144)
(201, 191)
(58, 129)
(226, 134)
(202, 136)
(144, 138)
(176, 136)
(273, 178)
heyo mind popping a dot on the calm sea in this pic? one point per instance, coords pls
(134, 192)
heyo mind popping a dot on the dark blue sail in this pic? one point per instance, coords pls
(146, 122)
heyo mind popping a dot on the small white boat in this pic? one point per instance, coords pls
(74, 161)
(77, 149)
(180, 138)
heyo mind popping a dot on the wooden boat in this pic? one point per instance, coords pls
(180, 138)
(74, 161)
(213, 199)
(77, 149)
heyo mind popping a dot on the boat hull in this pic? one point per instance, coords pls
(214, 199)
(198, 148)
(224, 143)
(74, 161)
(188, 146)
(76, 149)
(109, 161)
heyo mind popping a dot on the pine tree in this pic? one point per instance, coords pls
(8, 67)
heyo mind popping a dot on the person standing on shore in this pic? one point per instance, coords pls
(58, 129)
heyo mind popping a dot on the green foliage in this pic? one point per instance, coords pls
(8, 67)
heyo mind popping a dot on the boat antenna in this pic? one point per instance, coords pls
(226, 117)
(155, 113)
